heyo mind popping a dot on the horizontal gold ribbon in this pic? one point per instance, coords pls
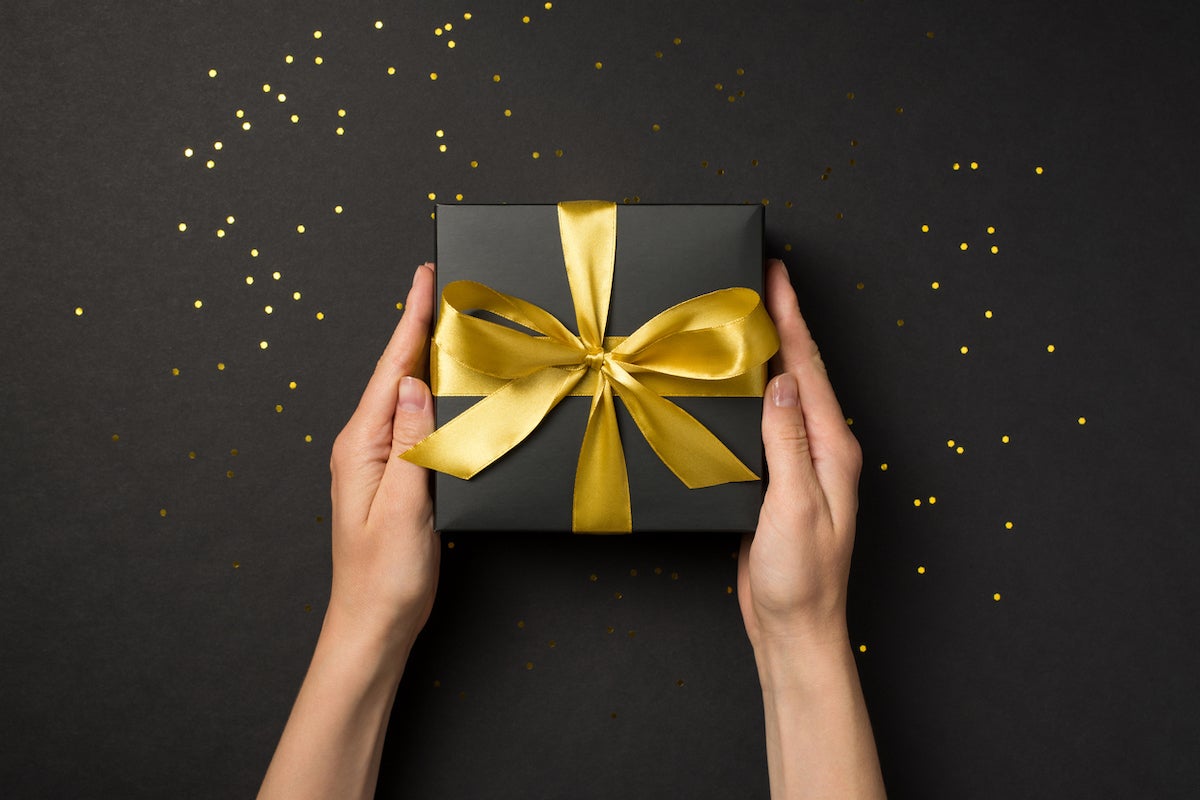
(689, 349)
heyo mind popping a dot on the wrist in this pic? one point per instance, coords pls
(376, 653)
(801, 658)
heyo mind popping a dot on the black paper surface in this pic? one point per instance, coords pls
(160, 595)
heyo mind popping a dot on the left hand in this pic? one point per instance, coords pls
(385, 551)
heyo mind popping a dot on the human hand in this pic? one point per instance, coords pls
(385, 552)
(792, 572)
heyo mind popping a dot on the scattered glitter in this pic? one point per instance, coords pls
(337, 209)
(899, 323)
(210, 163)
(175, 371)
(862, 648)
(995, 249)
(450, 44)
(187, 152)
(308, 437)
(288, 59)
(299, 229)
(266, 87)
(917, 503)
(1082, 420)
(996, 597)
(263, 345)
(229, 220)
(318, 61)
(924, 229)
(239, 113)
(536, 154)
(496, 78)
(956, 166)
(162, 512)
(295, 295)
(198, 303)
(988, 313)
(254, 252)
(508, 112)
(974, 165)
(1037, 170)
(920, 570)
(433, 195)
(963, 349)
(278, 409)
(883, 467)
(935, 285)
(1049, 348)
(467, 15)
(182, 227)
(949, 443)
(525, 20)
(963, 246)
(599, 65)
(79, 311)
(528, 665)
(249, 280)
(342, 131)
(459, 196)
(958, 450)
(932, 500)
(378, 24)
(220, 233)
(990, 229)
(281, 97)
(268, 309)
(341, 112)
(656, 127)
(229, 473)
(316, 34)
(276, 275)
(1008, 526)
(245, 126)
(320, 315)
(392, 71)
(212, 73)
(220, 366)
(432, 75)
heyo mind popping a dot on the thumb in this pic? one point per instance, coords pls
(414, 414)
(785, 438)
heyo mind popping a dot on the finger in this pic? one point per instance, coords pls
(405, 485)
(402, 356)
(798, 355)
(785, 440)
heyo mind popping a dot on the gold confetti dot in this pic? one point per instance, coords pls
(437, 31)
(288, 59)
(316, 34)
(849, 95)
(229, 473)
(187, 152)
(239, 113)
(212, 73)
(740, 71)
(433, 76)
(928, 34)
(448, 26)
(458, 196)
(342, 131)
(268, 309)
(116, 437)
(935, 285)
(610, 629)
(496, 78)
(198, 303)
(1049, 348)
(433, 195)
(787, 247)
(220, 366)
(79, 311)
(295, 118)
(520, 623)
(860, 285)
(656, 127)
(917, 502)
(988, 313)
(995, 249)
(175, 371)
(278, 409)
(295, 295)
(299, 229)
(899, 109)
(277, 275)
(949, 443)
(162, 512)
(341, 112)
(210, 163)
(182, 227)
(599, 65)
(449, 545)
(899, 323)
(378, 24)
(318, 61)
(549, 6)
(1082, 420)
(990, 229)
(220, 233)
(932, 500)
(956, 166)
(963, 246)
(320, 315)
(996, 597)
(883, 467)
(263, 345)
(525, 20)
(920, 570)
(281, 97)
(862, 648)
(308, 437)
(674, 576)
(617, 595)
(245, 126)
(963, 349)
(924, 229)
(528, 665)
(728, 590)
(392, 71)
(677, 41)
(266, 87)
(959, 450)
(1037, 170)
(1005, 439)
(450, 44)
(536, 154)
(249, 280)
(974, 165)
(467, 15)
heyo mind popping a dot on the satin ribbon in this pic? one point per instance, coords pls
(711, 338)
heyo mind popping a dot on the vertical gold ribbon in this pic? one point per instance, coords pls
(707, 339)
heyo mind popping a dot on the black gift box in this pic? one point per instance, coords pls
(664, 255)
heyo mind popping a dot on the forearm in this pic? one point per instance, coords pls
(333, 740)
(819, 741)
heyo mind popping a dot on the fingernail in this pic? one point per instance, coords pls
(412, 395)
(784, 392)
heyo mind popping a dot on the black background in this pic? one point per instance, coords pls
(157, 615)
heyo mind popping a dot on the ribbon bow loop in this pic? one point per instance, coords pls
(708, 338)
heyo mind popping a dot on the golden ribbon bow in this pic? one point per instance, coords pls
(710, 338)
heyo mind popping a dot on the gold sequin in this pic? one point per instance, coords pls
(920, 570)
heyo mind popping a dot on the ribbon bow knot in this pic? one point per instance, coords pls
(707, 339)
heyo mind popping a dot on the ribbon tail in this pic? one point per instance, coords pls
(496, 424)
(601, 502)
(690, 450)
